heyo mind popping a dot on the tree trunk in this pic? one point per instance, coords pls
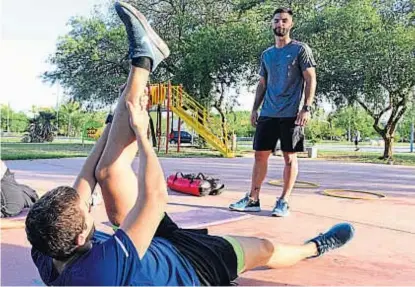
(388, 152)
(388, 132)
(69, 127)
(223, 122)
(218, 106)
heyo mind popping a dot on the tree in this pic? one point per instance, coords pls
(69, 110)
(40, 128)
(12, 121)
(350, 119)
(240, 124)
(19, 122)
(216, 66)
(367, 57)
(404, 126)
(90, 61)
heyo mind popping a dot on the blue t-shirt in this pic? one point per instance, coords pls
(283, 69)
(113, 260)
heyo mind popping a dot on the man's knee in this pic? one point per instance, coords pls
(265, 251)
(290, 158)
(266, 248)
(105, 171)
(262, 156)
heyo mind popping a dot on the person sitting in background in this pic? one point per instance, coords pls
(14, 196)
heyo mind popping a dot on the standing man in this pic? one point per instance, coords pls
(287, 72)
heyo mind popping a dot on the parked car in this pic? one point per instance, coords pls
(185, 137)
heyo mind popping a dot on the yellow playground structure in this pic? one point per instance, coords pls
(175, 99)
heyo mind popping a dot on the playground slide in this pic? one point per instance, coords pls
(192, 113)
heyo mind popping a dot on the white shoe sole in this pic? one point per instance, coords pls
(245, 209)
(279, 215)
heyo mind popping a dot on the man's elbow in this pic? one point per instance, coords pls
(310, 77)
(262, 83)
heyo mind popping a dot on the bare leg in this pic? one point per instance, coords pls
(114, 173)
(290, 173)
(259, 172)
(263, 252)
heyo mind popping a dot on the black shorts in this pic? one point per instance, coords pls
(270, 130)
(213, 257)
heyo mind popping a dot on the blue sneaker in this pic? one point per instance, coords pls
(246, 204)
(281, 208)
(336, 237)
(144, 42)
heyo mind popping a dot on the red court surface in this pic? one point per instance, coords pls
(382, 252)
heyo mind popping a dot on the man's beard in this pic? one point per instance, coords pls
(281, 32)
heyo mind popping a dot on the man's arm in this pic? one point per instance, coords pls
(86, 181)
(310, 85)
(309, 75)
(142, 221)
(259, 97)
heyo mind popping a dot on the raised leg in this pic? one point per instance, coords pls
(114, 173)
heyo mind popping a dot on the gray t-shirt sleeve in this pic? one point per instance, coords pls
(262, 69)
(306, 58)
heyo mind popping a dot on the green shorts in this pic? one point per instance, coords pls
(239, 251)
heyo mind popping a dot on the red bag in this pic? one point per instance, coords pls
(194, 185)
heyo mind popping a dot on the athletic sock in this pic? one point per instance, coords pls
(142, 62)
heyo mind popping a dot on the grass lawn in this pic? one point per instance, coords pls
(352, 156)
(366, 157)
(14, 151)
(20, 151)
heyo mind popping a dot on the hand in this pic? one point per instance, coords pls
(139, 116)
(303, 118)
(254, 118)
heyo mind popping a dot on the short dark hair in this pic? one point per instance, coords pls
(54, 222)
(282, 10)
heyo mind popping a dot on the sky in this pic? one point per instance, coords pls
(29, 30)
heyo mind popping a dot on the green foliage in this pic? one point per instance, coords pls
(240, 123)
(403, 132)
(364, 50)
(91, 61)
(17, 121)
(365, 55)
(350, 119)
(73, 117)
